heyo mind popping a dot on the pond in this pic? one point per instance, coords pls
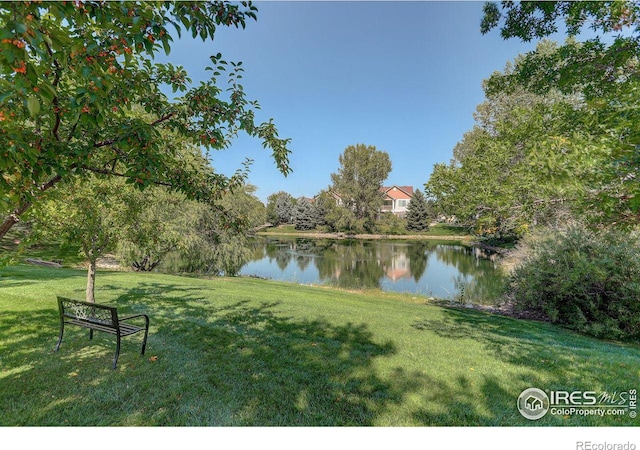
(438, 269)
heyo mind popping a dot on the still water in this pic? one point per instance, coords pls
(426, 268)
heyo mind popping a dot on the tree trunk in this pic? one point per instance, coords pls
(14, 217)
(91, 281)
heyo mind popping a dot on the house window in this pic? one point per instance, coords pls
(402, 203)
(388, 204)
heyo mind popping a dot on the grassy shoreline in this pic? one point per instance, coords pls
(438, 232)
(250, 352)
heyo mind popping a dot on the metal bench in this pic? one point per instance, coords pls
(101, 318)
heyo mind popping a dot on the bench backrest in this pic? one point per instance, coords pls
(88, 312)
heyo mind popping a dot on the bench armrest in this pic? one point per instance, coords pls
(135, 316)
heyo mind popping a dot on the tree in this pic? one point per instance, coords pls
(271, 208)
(604, 74)
(419, 214)
(285, 211)
(591, 65)
(215, 244)
(362, 171)
(72, 72)
(91, 213)
(247, 206)
(325, 205)
(280, 208)
(304, 215)
(163, 224)
(510, 171)
(272, 218)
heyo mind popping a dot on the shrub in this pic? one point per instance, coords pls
(391, 224)
(589, 281)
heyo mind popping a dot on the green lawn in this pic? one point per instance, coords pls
(239, 351)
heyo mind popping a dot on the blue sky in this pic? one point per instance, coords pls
(404, 77)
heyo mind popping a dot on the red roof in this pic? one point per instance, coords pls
(398, 192)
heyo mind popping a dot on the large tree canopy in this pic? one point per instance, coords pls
(603, 72)
(607, 55)
(509, 172)
(536, 19)
(71, 73)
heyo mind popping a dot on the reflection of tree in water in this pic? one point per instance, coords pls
(283, 251)
(276, 250)
(258, 249)
(347, 264)
(478, 278)
(355, 264)
(304, 251)
(418, 254)
(479, 290)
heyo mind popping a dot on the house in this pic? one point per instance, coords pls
(396, 199)
(337, 197)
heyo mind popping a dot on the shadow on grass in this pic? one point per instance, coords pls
(218, 361)
(520, 342)
(236, 364)
(554, 359)
(278, 371)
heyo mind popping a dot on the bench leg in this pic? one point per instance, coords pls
(146, 333)
(90, 333)
(60, 337)
(115, 359)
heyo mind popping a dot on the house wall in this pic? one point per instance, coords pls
(399, 201)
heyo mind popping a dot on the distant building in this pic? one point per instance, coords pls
(396, 199)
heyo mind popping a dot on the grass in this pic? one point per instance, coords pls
(438, 230)
(249, 352)
(442, 229)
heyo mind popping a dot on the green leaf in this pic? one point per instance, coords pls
(167, 47)
(33, 105)
(6, 95)
(21, 27)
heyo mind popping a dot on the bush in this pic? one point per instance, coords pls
(589, 281)
(391, 224)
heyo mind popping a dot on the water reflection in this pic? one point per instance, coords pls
(428, 268)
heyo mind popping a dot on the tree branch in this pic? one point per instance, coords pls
(118, 174)
(153, 124)
(14, 217)
(56, 102)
